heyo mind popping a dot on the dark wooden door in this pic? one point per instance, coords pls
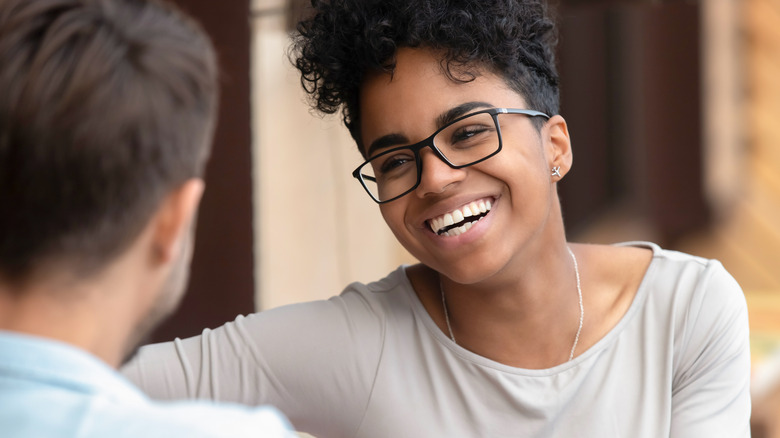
(631, 92)
(222, 279)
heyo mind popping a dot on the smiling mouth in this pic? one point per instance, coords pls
(461, 220)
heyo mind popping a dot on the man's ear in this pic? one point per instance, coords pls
(559, 153)
(173, 217)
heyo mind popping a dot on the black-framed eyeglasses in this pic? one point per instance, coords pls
(466, 141)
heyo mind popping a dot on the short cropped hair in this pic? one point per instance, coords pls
(105, 107)
(342, 40)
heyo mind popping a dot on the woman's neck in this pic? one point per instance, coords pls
(527, 318)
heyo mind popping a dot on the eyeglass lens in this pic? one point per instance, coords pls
(462, 143)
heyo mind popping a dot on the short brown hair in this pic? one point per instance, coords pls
(105, 106)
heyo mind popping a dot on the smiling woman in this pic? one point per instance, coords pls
(504, 328)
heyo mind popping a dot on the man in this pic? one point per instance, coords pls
(106, 116)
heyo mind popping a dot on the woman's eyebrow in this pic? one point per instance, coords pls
(444, 118)
(460, 110)
(386, 141)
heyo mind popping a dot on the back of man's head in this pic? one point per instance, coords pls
(106, 106)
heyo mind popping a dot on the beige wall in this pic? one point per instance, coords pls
(316, 230)
(723, 103)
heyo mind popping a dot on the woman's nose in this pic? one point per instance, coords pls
(436, 175)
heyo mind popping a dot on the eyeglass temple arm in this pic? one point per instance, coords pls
(530, 113)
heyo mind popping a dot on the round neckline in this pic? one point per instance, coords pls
(600, 345)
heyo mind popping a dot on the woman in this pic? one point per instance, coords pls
(504, 328)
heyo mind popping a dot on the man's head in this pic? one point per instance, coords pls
(513, 39)
(106, 116)
(107, 106)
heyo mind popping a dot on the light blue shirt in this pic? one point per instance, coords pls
(51, 389)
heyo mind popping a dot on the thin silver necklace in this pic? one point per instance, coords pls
(579, 296)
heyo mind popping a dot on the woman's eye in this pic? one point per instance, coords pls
(395, 163)
(468, 135)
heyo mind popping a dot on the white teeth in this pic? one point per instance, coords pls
(456, 231)
(457, 216)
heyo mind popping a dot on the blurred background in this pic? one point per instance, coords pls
(674, 112)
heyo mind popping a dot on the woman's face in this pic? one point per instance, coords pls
(516, 184)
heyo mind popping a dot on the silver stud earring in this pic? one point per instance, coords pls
(556, 171)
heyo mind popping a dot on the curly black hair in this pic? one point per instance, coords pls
(343, 39)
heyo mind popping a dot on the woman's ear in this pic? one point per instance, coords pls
(172, 219)
(558, 147)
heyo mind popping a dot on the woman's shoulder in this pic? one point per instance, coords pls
(667, 287)
(648, 263)
(688, 291)
(683, 272)
(392, 289)
(358, 305)
(370, 302)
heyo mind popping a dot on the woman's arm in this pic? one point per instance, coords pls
(711, 386)
(315, 362)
